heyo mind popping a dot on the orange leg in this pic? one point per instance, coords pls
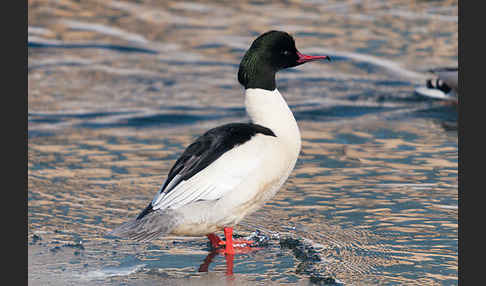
(228, 234)
(235, 246)
(215, 240)
(231, 246)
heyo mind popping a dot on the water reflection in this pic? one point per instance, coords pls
(373, 195)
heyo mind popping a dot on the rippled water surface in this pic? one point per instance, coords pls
(117, 89)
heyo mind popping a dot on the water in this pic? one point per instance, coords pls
(117, 89)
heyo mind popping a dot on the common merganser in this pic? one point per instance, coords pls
(445, 86)
(231, 170)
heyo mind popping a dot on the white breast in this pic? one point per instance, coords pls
(253, 171)
(269, 109)
(277, 155)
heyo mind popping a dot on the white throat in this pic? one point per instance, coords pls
(269, 109)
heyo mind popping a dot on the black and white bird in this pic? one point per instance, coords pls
(444, 86)
(231, 170)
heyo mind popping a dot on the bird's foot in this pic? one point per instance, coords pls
(230, 246)
(237, 246)
(214, 240)
(240, 243)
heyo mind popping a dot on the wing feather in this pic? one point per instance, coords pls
(211, 183)
(209, 167)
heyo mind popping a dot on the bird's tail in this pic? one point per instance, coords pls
(149, 227)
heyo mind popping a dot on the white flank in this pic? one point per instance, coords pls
(243, 178)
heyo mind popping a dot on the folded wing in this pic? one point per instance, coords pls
(209, 167)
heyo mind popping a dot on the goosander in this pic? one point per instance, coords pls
(231, 170)
(445, 86)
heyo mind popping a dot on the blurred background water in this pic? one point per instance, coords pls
(118, 89)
